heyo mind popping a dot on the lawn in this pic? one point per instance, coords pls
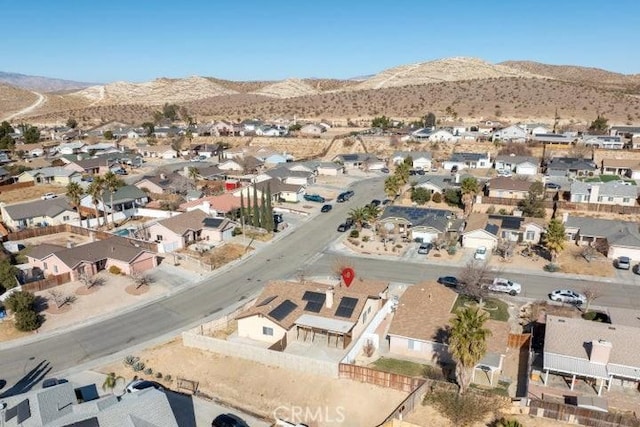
(410, 369)
(497, 309)
(609, 178)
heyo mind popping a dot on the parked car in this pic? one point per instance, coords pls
(505, 286)
(228, 420)
(349, 222)
(375, 202)
(449, 281)
(504, 172)
(385, 202)
(425, 248)
(384, 170)
(480, 254)
(567, 296)
(138, 385)
(343, 197)
(314, 198)
(50, 382)
(623, 263)
(326, 208)
(47, 196)
(551, 186)
(343, 227)
(636, 269)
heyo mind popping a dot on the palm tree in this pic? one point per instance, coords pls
(554, 238)
(111, 183)
(402, 172)
(468, 342)
(469, 188)
(372, 212)
(111, 381)
(95, 190)
(358, 216)
(392, 186)
(193, 174)
(74, 194)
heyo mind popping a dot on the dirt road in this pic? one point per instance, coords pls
(41, 100)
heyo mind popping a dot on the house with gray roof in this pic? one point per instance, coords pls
(468, 161)
(606, 353)
(420, 159)
(60, 406)
(608, 142)
(613, 238)
(178, 231)
(571, 166)
(419, 223)
(359, 161)
(38, 213)
(438, 183)
(608, 193)
(624, 130)
(288, 176)
(554, 138)
(50, 175)
(165, 183)
(521, 165)
(125, 199)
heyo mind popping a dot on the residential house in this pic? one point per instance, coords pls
(508, 188)
(438, 183)
(287, 312)
(420, 159)
(312, 130)
(608, 193)
(245, 164)
(212, 173)
(359, 161)
(484, 230)
(419, 328)
(536, 128)
(125, 200)
(38, 213)
(511, 133)
(521, 165)
(251, 125)
(165, 132)
(478, 232)
(269, 130)
(468, 161)
(206, 150)
(36, 152)
(626, 131)
(92, 258)
(100, 148)
(94, 166)
(442, 135)
(227, 205)
(421, 134)
(165, 183)
(223, 128)
(157, 151)
(635, 142)
(614, 238)
(605, 353)
(554, 138)
(178, 231)
(280, 191)
(288, 176)
(419, 223)
(603, 141)
(74, 147)
(571, 166)
(50, 175)
(64, 405)
(217, 229)
(627, 168)
(329, 169)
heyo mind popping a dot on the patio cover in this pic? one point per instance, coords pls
(325, 323)
(574, 366)
(624, 371)
(491, 361)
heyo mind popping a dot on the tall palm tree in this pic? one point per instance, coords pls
(74, 194)
(372, 212)
(358, 216)
(468, 342)
(469, 188)
(95, 190)
(555, 238)
(111, 381)
(402, 172)
(392, 186)
(111, 183)
(193, 174)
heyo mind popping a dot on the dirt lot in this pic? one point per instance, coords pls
(262, 389)
(30, 193)
(571, 261)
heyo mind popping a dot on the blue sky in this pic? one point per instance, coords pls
(139, 40)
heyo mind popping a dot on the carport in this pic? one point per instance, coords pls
(310, 324)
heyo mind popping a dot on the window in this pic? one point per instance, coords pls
(413, 345)
(55, 268)
(530, 235)
(609, 199)
(44, 265)
(600, 198)
(65, 218)
(159, 237)
(364, 318)
(626, 200)
(267, 331)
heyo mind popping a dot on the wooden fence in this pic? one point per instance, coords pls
(47, 283)
(16, 186)
(380, 378)
(565, 205)
(583, 416)
(518, 341)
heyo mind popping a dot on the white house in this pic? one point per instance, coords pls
(442, 135)
(603, 141)
(511, 133)
(39, 213)
(521, 165)
(421, 159)
(312, 130)
(70, 147)
(468, 161)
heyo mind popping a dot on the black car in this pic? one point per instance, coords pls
(349, 222)
(449, 281)
(343, 197)
(228, 420)
(277, 218)
(343, 227)
(552, 186)
(420, 171)
(384, 170)
(326, 208)
(375, 202)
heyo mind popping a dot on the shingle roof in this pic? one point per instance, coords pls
(166, 181)
(43, 250)
(608, 189)
(566, 163)
(509, 184)
(123, 194)
(467, 157)
(184, 222)
(51, 172)
(621, 233)
(223, 203)
(413, 154)
(621, 163)
(50, 208)
(516, 160)
(115, 247)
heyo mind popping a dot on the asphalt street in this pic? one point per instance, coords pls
(305, 249)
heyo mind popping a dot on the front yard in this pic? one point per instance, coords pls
(497, 309)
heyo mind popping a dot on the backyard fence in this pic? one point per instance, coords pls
(583, 416)
(518, 341)
(380, 378)
(16, 186)
(47, 283)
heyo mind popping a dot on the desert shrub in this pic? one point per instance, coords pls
(130, 360)
(491, 210)
(159, 375)
(453, 197)
(114, 269)
(354, 234)
(167, 377)
(27, 320)
(436, 198)
(590, 315)
(20, 301)
(551, 268)
(461, 410)
(138, 366)
(148, 371)
(365, 238)
(236, 231)
(503, 422)
(503, 211)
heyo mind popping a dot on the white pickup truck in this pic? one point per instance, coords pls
(505, 285)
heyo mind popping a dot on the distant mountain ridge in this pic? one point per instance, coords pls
(41, 84)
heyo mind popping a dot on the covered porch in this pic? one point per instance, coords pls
(337, 332)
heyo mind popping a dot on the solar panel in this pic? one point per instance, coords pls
(314, 297)
(11, 413)
(512, 223)
(24, 411)
(346, 307)
(89, 422)
(283, 310)
(267, 300)
(313, 306)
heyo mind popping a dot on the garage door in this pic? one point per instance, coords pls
(477, 242)
(426, 237)
(617, 251)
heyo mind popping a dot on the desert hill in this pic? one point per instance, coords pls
(40, 84)
(13, 99)
(289, 88)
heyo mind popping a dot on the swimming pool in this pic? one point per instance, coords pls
(125, 232)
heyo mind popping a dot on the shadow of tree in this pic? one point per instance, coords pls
(31, 378)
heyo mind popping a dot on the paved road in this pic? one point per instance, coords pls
(281, 259)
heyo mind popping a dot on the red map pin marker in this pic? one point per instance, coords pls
(347, 275)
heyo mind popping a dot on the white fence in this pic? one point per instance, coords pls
(154, 213)
(369, 333)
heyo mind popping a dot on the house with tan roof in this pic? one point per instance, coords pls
(509, 188)
(419, 328)
(484, 230)
(292, 311)
(626, 168)
(583, 349)
(178, 231)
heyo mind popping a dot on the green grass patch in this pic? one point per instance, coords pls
(402, 367)
(606, 178)
(497, 309)
(501, 388)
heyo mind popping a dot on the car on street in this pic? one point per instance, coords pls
(375, 202)
(420, 171)
(506, 286)
(228, 420)
(314, 198)
(138, 385)
(480, 254)
(384, 170)
(425, 248)
(636, 269)
(567, 296)
(343, 197)
(326, 208)
(343, 227)
(551, 186)
(385, 202)
(623, 263)
(449, 281)
(47, 196)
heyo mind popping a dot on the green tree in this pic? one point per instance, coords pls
(469, 188)
(20, 301)
(269, 210)
(372, 212)
(382, 122)
(108, 135)
(392, 186)
(452, 196)
(193, 174)
(96, 190)
(170, 111)
(255, 221)
(359, 216)
(74, 194)
(72, 123)
(468, 342)
(295, 127)
(402, 172)
(409, 161)
(430, 120)
(31, 134)
(111, 381)
(27, 320)
(6, 129)
(554, 238)
(111, 184)
(599, 125)
(7, 143)
(149, 127)
(420, 195)
(533, 205)
(8, 274)
(451, 112)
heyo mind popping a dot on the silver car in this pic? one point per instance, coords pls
(567, 296)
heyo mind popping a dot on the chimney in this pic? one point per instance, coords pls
(600, 352)
(329, 299)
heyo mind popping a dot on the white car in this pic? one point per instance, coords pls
(506, 286)
(47, 196)
(504, 172)
(481, 253)
(567, 296)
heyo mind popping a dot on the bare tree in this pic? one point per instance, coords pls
(90, 281)
(591, 293)
(339, 264)
(580, 151)
(61, 299)
(505, 248)
(141, 280)
(474, 277)
(588, 253)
